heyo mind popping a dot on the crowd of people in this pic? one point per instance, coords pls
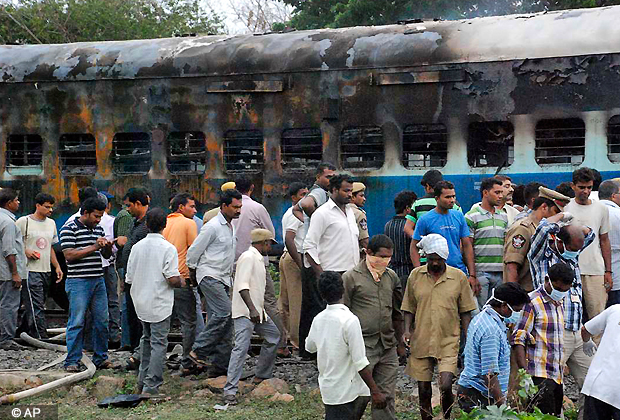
(528, 278)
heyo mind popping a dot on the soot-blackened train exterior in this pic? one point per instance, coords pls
(532, 96)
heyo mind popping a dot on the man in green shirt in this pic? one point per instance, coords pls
(374, 294)
(487, 227)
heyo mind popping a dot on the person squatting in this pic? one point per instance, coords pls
(520, 281)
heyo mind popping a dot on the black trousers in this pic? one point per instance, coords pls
(135, 326)
(311, 305)
(353, 410)
(470, 398)
(595, 409)
(550, 396)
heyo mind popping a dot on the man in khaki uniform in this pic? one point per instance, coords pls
(437, 306)
(519, 236)
(517, 245)
(374, 294)
(358, 200)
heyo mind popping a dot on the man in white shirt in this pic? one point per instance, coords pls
(601, 384)
(609, 195)
(595, 261)
(39, 234)
(210, 260)
(249, 315)
(153, 272)
(311, 302)
(289, 302)
(332, 240)
(256, 216)
(345, 376)
(510, 211)
(109, 274)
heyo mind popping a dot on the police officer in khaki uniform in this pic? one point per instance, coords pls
(358, 201)
(519, 236)
(517, 245)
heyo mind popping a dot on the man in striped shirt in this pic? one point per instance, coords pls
(83, 244)
(487, 227)
(484, 380)
(394, 229)
(539, 334)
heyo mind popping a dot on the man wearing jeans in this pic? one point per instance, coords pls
(249, 315)
(12, 268)
(153, 272)
(83, 245)
(487, 227)
(39, 233)
(210, 260)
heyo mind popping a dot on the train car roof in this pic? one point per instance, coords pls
(513, 37)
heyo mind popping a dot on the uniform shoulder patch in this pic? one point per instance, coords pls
(363, 224)
(518, 241)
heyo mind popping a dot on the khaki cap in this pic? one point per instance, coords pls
(260, 235)
(228, 186)
(358, 186)
(560, 199)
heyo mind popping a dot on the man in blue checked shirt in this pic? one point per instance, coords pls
(484, 380)
(558, 239)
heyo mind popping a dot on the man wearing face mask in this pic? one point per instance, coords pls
(484, 380)
(437, 306)
(374, 294)
(539, 335)
(558, 240)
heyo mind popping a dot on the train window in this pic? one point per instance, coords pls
(490, 143)
(560, 141)
(613, 139)
(78, 153)
(24, 150)
(362, 148)
(302, 148)
(425, 146)
(243, 150)
(186, 152)
(131, 153)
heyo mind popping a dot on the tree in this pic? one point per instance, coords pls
(313, 14)
(260, 16)
(63, 21)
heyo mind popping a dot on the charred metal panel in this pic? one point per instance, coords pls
(421, 77)
(256, 86)
(545, 35)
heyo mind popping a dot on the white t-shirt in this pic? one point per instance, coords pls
(250, 275)
(602, 378)
(151, 262)
(290, 223)
(336, 337)
(39, 236)
(595, 216)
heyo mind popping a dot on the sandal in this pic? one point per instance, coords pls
(132, 363)
(200, 362)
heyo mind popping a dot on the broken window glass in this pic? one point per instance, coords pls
(490, 143)
(613, 139)
(78, 153)
(425, 146)
(186, 152)
(131, 153)
(561, 141)
(24, 150)
(302, 148)
(243, 150)
(362, 148)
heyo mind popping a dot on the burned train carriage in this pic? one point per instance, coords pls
(531, 96)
